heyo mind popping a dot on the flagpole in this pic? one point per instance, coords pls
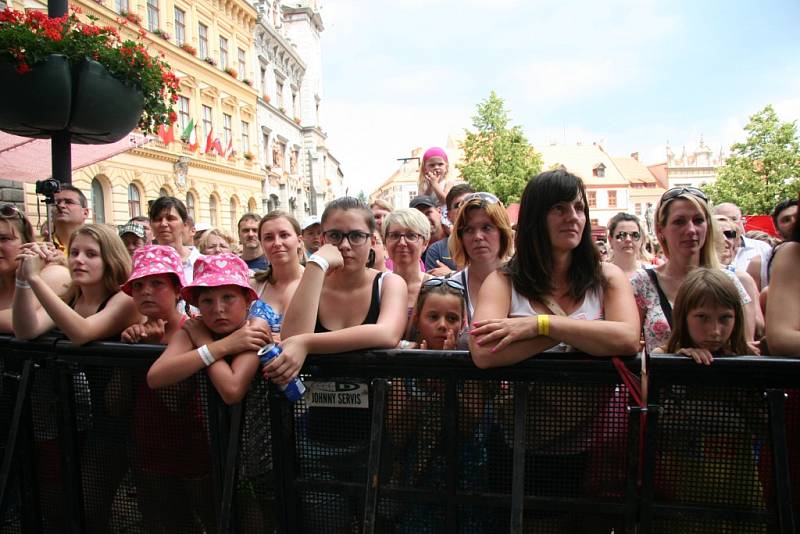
(60, 142)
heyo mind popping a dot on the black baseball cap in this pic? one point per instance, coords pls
(423, 201)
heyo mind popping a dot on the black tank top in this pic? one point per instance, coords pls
(374, 307)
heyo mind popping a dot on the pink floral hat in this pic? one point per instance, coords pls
(155, 259)
(221, 270)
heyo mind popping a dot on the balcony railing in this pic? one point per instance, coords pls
(397, 441)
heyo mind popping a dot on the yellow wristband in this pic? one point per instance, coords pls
(544, 324)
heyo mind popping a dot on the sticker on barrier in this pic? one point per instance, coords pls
(337, 395)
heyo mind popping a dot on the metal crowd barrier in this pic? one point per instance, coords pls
(396, 442)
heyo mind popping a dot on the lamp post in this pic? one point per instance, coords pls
(60, 142)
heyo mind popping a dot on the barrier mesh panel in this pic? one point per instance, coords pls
(332, 426)
(576, 448)
(709, 443)
(145, 460)
(9, 518)
(255, 488)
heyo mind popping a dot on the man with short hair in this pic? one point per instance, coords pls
(252, 254)
(311, 234)
(427, 205)
(144, 221)
(785, 217)
(188, 232)
(70, 211)
(438, 260)
(748, 248)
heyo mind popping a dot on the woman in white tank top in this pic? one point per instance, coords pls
(554, 293)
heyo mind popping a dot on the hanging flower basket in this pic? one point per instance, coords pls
(64, 74)
(37, 102)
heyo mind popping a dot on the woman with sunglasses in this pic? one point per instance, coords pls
(687, 234)
(480, 244)
(554, 292)
(406, 233)
(627, 243)
(15, 231)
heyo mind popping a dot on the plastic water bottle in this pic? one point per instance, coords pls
(295, 389)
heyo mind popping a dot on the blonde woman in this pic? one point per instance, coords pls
(214, 241)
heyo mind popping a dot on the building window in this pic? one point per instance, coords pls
(599, 171)
(242, 64)
(278, 94)
(234, 216)
(245, 136)
(227, 122)
(265, 140)
(612, 198)
(212, 208)
(223, 53)
(183, 112)
(637, 209)
(295, 106)
(180, 26)
(190, 204)
(207, 122)
(152, 15)
(592, 196)
(134, 201)
(121, 5)
(98, 202)
(264, 91)
(594, 223)
(202, 41)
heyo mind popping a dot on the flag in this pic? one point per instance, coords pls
(229, 149)
(187, 132)
(209, 141)
(192, 139)
(167, 135)
(218, 147)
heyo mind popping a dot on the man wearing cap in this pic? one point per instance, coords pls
(252, 254)
(438, 260)
(144, 222)
(311, 233)
(427, 205)
(133, 235)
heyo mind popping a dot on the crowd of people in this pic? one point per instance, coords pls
(451, 271)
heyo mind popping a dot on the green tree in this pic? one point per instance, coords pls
(362, 197)
(763, 170)
(497, 158)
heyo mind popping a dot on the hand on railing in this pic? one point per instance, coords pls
(148, 332)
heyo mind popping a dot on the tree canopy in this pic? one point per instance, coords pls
(764, 169)
(497, 158)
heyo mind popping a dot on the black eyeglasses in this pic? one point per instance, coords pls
(678, 191)
(622, 236)
(411, 237)
(10, 211)
(438, 281)
(729, 234)
(354, 237)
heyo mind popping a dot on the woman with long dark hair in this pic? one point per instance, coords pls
(555, 292)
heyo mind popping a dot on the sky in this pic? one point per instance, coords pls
(629, 74)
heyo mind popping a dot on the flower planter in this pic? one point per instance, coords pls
(86, 100)
(38, 102)
(104, 110)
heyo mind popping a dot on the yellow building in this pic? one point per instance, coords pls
(208, 44)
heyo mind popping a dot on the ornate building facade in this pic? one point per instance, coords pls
(696, 168)
(227, 170)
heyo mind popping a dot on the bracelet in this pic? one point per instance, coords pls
(205, 355)
(544, 324)
(21, 284)
(319, 260)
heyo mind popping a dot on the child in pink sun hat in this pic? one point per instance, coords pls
(155, 284)
(221, 339)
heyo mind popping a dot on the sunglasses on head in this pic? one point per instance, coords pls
(9, 211)
(621, 236)
(482, 196)
(438, 281)
(678, 191)
(729, 234)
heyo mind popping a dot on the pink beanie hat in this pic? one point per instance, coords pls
(154, 259)
(214, 271)
(433, 152)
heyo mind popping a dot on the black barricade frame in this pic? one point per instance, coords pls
(269, 464)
